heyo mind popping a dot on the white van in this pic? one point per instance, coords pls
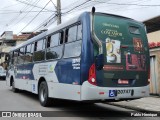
(2, 73)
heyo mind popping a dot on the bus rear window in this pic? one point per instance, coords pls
(134, 30)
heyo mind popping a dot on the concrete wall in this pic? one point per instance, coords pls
(155, 71)
(155, 63)
(154, 36)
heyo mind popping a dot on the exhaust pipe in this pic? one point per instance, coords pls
(94, 36)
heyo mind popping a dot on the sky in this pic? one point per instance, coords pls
(33, 15)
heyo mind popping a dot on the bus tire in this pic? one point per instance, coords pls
(43, 94)
(13, 87)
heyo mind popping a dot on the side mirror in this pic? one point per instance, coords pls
(99, 61)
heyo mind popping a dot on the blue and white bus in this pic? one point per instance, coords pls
(93, 57)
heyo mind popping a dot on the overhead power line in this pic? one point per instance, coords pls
(76, 7)
(35, 17)
(68, 6)
(45, 22)
(15, 17)
(86, 5)
(35, 3)
(32, 5)
(21, 12)
(53, 4)
(119, 8)
(10, 6)
(134, 4)
(127, 4)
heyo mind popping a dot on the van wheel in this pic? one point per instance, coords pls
(43, 94)
(13, 87)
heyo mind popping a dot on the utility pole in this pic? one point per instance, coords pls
(58, 12)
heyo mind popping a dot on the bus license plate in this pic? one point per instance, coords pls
(124, 92)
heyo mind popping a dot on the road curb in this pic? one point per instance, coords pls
(134, 108)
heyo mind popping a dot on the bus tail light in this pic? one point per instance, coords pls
(92, 75)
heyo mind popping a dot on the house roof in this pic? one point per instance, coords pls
(21, 37)
(152, 24)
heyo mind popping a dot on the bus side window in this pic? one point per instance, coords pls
(12, 58)
(61, 37)
(79, 32)
(54, 47)
(39, 53)
(21, 56)
(32, 50)
(39, 45)
(48, 41)
(54, 40)
(66, 35)
(28, 54)
(35, 46)
(16, 53)
(74, 42)
(44, 44)
(72, 34)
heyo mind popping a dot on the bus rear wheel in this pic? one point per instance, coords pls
(43, 94)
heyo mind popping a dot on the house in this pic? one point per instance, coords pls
(153, 29)
(9, 40)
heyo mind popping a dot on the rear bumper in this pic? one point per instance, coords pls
(91, 92)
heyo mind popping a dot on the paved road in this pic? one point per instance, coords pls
(24, 101)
